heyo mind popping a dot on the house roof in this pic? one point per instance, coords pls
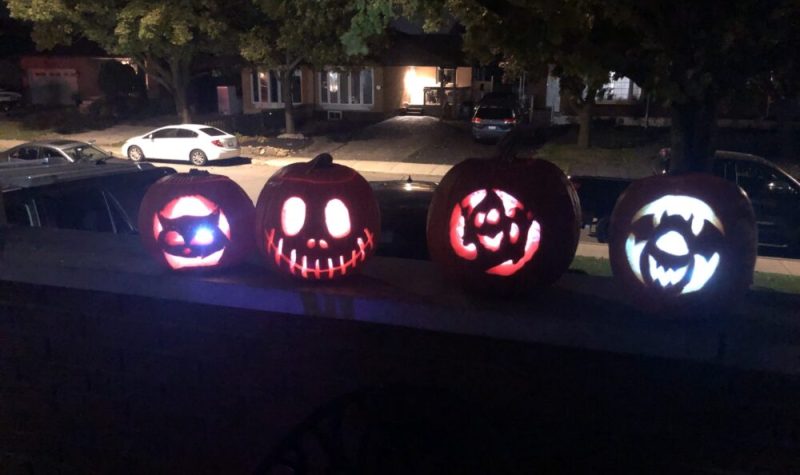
(423, 50)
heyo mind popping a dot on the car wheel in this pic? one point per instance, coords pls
(198, 157)
(135, 153)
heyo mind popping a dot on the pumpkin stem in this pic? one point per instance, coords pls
(198, 172)
(323, 160)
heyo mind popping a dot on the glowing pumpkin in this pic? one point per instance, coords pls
(196, 220)
(317, 220)
(502, 226)
(684, 239)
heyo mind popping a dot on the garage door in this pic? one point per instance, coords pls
(53, 86)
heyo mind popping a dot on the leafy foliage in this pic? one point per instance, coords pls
(163, 36)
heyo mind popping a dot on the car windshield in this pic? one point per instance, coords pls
(85, 153)
(494, 113)
(213, 131)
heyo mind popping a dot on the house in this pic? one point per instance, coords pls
(624, 102)
(411, 75)
(64, 75)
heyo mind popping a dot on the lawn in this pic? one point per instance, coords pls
(14, 130)
(618, 162)
(777, 282)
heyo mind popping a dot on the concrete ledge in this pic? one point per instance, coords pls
(580, 311)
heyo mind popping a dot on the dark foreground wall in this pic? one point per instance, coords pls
(98, 382)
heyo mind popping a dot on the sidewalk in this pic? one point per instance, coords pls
(368, 166)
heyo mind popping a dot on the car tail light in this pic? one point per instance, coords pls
(218, 143)
(476, 120)
(510, 121)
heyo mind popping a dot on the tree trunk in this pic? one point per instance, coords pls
(442, 99)
(180, 83)
(693, 130)
(783, 114)
(585, 125)
(288, 105)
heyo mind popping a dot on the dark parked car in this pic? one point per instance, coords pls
(404, 213)
(775, 196)
(91, 196)
(495, 115)
(54, 152)
(9, 99)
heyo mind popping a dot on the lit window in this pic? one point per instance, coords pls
(621, 89)
(267, 87)
(346, 87)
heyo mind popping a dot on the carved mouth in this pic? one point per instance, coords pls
(324, 268)
(178, 262)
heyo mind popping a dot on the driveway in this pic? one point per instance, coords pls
(413, 139)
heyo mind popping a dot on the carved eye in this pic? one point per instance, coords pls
(174, 239)
(293, 215)
(337, 218)
(202, 237)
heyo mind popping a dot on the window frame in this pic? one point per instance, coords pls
(631, 98)
(259, 84)
(324, 78)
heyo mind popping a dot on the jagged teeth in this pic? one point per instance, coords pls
(665, 277)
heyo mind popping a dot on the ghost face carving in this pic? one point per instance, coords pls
(493, 229)
(192, 232)
(317, 220)
(673, 244)
(196, 221)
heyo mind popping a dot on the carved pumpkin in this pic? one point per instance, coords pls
(317, 220)
(196, 220)
(683, 239)
(500, 225)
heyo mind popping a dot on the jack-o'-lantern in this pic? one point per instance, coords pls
(196, 220)
(504, 225)
(683, 240)
(317, 220)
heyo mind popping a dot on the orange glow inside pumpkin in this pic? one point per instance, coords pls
(311, 262)
(493, 243)
(197, 206)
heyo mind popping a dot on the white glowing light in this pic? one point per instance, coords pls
(634, 253)
(293, 216)
(665, 277)
(337, 218)
(203, 237)
(685, 206)
(702, 273)
(673, 243)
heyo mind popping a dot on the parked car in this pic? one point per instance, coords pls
(404, 212)
(100, 196)
(198, 144)
(775, 196)
(493, 120)
(54, 152)
(9, 99)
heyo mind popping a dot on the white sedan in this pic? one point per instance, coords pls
(197, 143)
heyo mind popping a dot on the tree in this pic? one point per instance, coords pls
(292, 32)
(690, 54)
(162, 36)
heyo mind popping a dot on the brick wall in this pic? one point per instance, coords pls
(93, 382)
